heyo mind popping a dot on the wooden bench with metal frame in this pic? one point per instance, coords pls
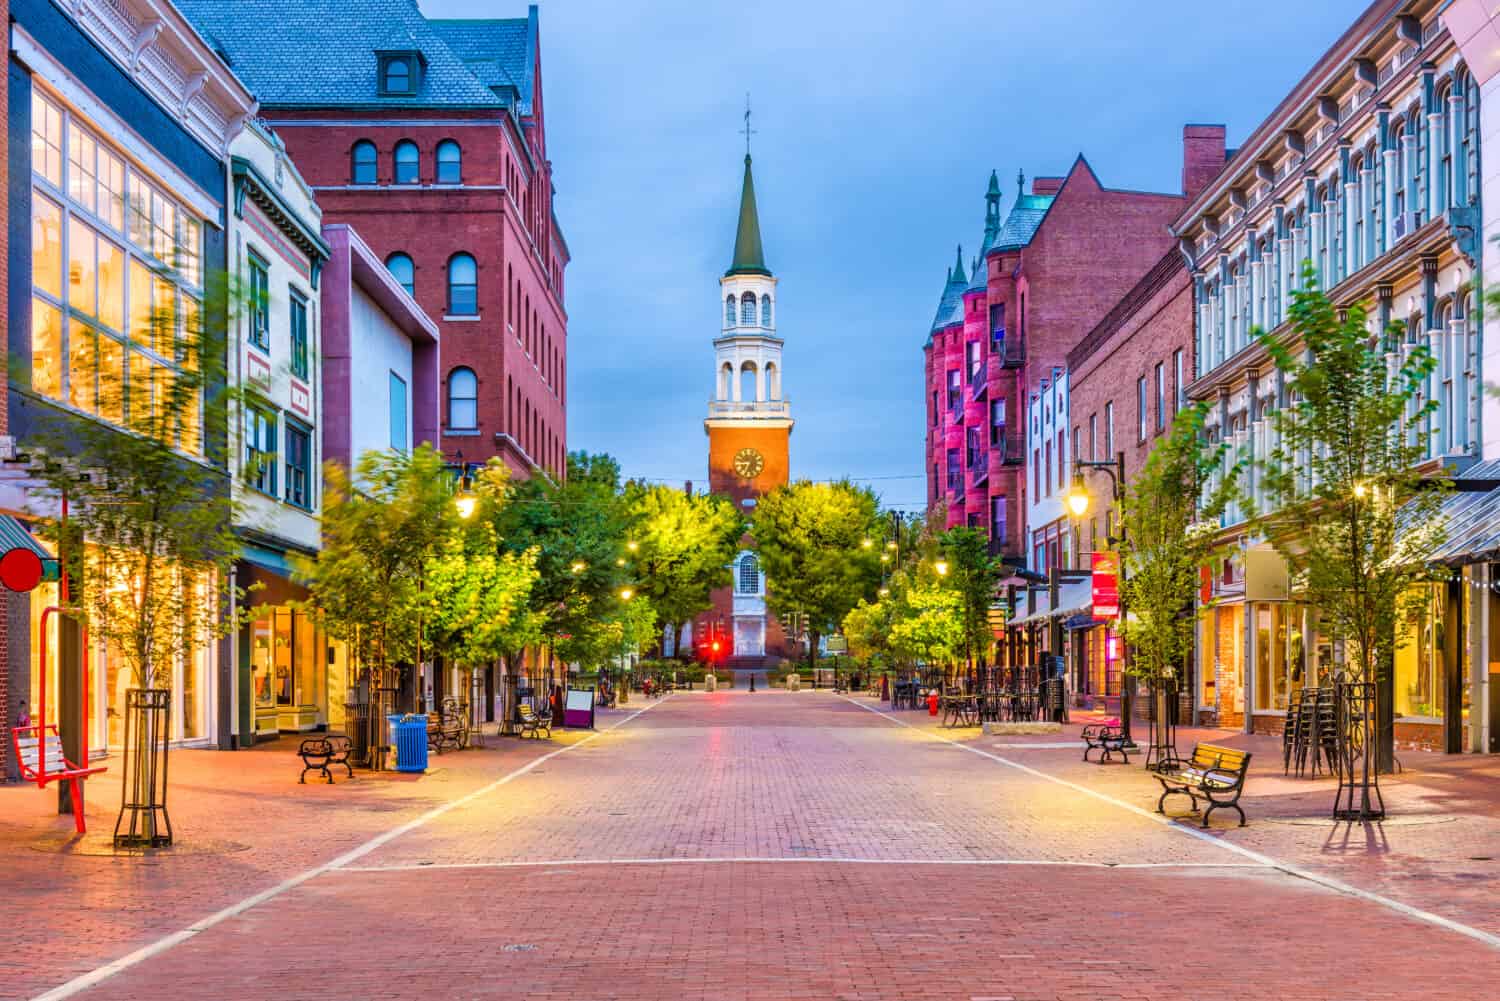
(1108, 737)
(533, 722)
(1213, 772)
(448, 727)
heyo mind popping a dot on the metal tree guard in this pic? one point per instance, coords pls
(1359, 780)
(143, 820)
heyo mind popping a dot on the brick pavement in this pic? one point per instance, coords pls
(818, 851)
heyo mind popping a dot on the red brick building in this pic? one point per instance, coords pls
(429, 138)
(1066, 253)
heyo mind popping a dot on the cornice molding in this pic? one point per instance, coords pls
(157, 48)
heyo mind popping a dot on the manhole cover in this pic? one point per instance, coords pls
(1410, 820)
(102, 846)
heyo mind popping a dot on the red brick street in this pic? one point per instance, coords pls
(765, 846)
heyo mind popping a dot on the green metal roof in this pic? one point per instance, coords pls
(749, 255)
(14, 535)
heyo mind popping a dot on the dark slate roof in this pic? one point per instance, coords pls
(319, 53)
(951, 306)
(498, 52)
(1025, 217)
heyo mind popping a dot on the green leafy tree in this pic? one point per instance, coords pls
(681, 548)
(146, 484)
(384, 528)
(974, 575)
(810, 541)
(1347, 506)
(577, 529)
(927, 622)
(1167, 537)
(478, 599)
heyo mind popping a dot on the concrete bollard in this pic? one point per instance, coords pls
(794, 682)
(710, 683)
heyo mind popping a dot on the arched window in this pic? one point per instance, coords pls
(747, 308)
(398, 76)
(364, 161)
(1356, 210)
(765, 311)
(1443, 146)
(773, 381)
(400, 266)
(748, 574)
(449, 162)
(463, 399)
(726, 380)
(747, 382)
(463, 286)
(408, 162)
(729, 310)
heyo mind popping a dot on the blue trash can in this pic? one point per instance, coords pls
(409, 737)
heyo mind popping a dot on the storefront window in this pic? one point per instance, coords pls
(1421, 659)
(286, 670)
(1280, 657)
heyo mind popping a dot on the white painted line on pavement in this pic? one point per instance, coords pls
(84, 981)
(1339, 886)
(762, 859)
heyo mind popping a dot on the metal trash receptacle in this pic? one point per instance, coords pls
(409, 735)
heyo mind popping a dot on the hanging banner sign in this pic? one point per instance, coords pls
(1106, 590)
(1205, 585)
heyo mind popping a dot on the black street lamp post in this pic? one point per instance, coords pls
(1078, 502)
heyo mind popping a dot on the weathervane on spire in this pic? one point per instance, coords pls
(747, 131)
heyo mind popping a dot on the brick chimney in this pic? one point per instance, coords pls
(1046, 185)
(1203, 156)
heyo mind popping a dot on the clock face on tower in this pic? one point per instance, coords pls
(748, 463)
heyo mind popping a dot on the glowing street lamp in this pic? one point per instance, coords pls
(866, 543)
(884, 592)
(579, 567)
(626, 594)
(941, 567)
(632, 545)
(1077, 497)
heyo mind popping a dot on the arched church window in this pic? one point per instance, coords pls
(747, 382)
(748, 575)
(726, 380)
(747, 308)
(729, 310)
(773, 381)
(765, 311)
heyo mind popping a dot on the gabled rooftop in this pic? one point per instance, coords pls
(1024, 220)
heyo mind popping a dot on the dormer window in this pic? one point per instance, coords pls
(400, 73)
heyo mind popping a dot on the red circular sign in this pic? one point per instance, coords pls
(20, 569)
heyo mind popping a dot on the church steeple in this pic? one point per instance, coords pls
(749, 256)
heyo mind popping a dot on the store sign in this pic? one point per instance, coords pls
(1106, 589)
(837, 644)
(999, 615)
(1205, 585)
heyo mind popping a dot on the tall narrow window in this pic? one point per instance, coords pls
(1093, 436)
(748, 575)
(463, 286)
(1109, 430)
(1179, 391)
(463, 400)
(729, 310)
(260, 449)
(298, 466)
(997, 519)
(297, 315)
(449, 162)
(260, 304)
(1140, 407)
(365, 163)
(1161, 397)
(1062, 461)
(408, 162)
(997, 423)
(765, 311)
(955, 389)
(404, 271)
(747, 308)
(396, 403)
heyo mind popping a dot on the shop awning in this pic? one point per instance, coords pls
(267, 559)
(1472, 519)
(1074, 596)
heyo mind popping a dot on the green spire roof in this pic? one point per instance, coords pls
(958, 268)
(749, 257)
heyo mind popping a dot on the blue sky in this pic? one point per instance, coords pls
(878, 124)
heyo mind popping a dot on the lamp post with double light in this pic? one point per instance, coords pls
(1078, 500)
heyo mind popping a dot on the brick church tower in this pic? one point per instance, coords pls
(749, 426)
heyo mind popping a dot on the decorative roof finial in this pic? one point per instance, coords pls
(1020, 184)
(747, 131)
